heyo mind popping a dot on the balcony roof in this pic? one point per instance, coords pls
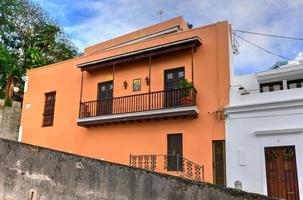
(141, 53)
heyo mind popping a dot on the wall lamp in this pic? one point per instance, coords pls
(125, 84)
(147, 80)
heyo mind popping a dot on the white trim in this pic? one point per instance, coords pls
(279, 131)
(164, 32)
(25, 78)
(285, 72)
(138, 114)
(20, 134)
(264, 106)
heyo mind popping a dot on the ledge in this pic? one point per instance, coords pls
(275, 105)
(145, 115)
(279, 131)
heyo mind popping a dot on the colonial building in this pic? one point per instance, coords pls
(153, 99)
(264, 141)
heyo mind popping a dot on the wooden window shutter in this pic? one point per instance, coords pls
(49, 109)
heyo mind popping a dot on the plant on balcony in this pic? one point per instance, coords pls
(186, 88)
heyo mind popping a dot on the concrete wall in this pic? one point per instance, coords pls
(9, 120)
(46, 174)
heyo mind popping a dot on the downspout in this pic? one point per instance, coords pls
(192, 65)
(149, 86)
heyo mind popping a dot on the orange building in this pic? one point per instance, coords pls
(152, 98)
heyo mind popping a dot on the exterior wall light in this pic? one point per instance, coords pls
(147, 80)
(125, 84)
(16, 89)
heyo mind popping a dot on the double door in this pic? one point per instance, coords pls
(281, 172)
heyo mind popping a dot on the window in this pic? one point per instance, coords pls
(49, 108)
(295, 84)
(269, 87)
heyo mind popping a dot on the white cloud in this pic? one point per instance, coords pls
(299, 56)
(113, 18)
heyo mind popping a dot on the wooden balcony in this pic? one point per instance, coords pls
(145, 106)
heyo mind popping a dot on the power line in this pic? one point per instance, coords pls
(270, 35)
(263, 49)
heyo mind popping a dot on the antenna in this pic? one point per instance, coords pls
(160, 13)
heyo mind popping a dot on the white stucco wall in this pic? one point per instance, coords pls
(278, 114)
(242, 139)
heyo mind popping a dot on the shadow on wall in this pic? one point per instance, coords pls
(30, 172)
(10, 120)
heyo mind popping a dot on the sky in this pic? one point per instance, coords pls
(88, 22)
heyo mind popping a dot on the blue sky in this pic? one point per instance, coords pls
(88, 22)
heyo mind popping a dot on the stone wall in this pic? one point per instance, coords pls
(10, 120)
(30, 172)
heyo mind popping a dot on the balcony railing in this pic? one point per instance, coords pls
(139, 103)
(169, 164)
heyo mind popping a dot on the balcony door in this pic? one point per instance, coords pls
(172, 78)
(105, 98)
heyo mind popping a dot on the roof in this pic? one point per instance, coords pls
(142, 53)
(169, 26)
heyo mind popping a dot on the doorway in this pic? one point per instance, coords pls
(172, 78)
(281, 172)
(105, 98)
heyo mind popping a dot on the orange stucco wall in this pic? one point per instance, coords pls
(116, 142)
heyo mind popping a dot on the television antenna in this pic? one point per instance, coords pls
(160, 13)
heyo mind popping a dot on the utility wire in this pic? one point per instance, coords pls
(270, 35)
(263, 49)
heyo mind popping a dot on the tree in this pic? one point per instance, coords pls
(29, 38)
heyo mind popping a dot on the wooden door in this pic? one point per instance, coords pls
(172, 78)
(281, 172)
(105, 98)
(219, 162)
(174, 152)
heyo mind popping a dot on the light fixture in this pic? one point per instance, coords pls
(125, 84)
(16, 89)
(147, 80)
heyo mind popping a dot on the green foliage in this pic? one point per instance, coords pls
(28, 39)
(185, 84)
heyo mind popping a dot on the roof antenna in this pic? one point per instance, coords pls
(160, 13)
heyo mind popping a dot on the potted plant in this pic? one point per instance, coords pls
(186, 89)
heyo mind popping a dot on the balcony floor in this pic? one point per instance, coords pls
(135, 116)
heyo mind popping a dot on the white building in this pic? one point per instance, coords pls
(264, 138)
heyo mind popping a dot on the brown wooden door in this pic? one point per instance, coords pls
(172, 78)
(281, 172)
(174, 152)
(105, 98)
(219, 162)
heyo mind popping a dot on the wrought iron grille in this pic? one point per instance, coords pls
(138, 103)
(170, 164)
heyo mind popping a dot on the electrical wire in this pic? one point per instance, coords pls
(270, 35)
(263, 49)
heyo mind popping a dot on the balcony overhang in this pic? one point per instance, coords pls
(136, 116)
(142, 53)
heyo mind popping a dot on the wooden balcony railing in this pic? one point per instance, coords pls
(139, 103)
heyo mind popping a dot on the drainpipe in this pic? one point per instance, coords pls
(192, 65)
